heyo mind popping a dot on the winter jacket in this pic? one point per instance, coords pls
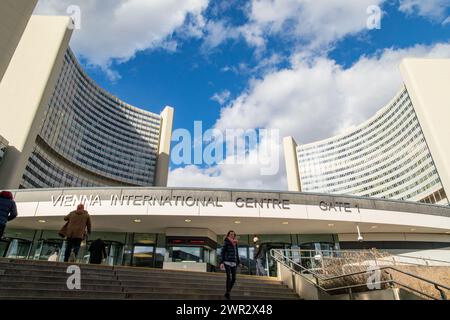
(8, 211)
(230, 253)
(78, 221)
(97, 251)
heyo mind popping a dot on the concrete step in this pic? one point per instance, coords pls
(42, 264)
(48, 293)
(56, 268)
(128, 271)
(34, 272)
(151, 276)
(213, 286)
(139, 296)
(33, 275)
(209, 291)
(176, 296)
(55, 298)
(140, 270)
(187, 281)
(52, 264)
(27, 286)
(94, 280)
(59, 286)
(25, 279)
(88, 283)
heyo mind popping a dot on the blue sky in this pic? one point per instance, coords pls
(308, 68)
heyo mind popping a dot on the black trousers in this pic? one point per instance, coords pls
(231, 277)
(72, 243)
(2, 230)
(95, 259)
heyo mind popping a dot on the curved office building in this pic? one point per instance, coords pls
(90, 137)
(75, 134)
(388, 156)
(385, 157)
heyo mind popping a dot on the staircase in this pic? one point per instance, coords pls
(31, 279)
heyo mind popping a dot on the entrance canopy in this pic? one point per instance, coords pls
(246, 212)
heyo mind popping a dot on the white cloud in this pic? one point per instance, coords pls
(217, 32)
(312, 24)
(433, 9)
(265, 65)
(119, 29)
(311, 100)
(221, 176)
(231, 174)
(221, 97)
(315, 99)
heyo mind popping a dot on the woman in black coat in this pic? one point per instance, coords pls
(97, 251)
(230, 260)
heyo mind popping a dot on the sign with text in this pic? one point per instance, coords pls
(171, 201)
(338, 206)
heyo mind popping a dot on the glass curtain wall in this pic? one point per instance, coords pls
(17, 243)
(254, 250)
(151, 250)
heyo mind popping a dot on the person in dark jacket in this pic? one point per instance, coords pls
(230, 260)
(75, 230)
(97, 251)
(8, 210)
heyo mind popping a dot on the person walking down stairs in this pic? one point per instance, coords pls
(75, 230)
(8, 210)
(230, 260)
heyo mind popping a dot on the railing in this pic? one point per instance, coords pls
(318, 272)
(405, 259)
(383, 259)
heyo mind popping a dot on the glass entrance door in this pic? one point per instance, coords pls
(143, 256)
(245, 260)
(114, 253)
(265, 264)
(3, 248)
(18, 249)
(114, 250)
(47, 247)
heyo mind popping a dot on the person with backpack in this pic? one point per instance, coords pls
(8, 210)
(78, 222)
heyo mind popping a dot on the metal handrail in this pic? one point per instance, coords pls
(390, 282)
(353, 251)
(360, 272)
(277, 253)
(420, 258)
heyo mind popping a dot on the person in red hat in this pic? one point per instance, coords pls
(8, 210)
